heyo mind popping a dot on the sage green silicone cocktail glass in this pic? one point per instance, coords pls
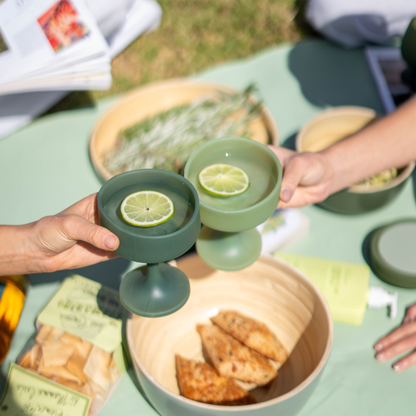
(157, 289)
(229, 239)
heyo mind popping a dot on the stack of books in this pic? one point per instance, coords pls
(51, 45)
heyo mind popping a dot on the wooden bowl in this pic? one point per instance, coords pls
(154, 98)
(332, 126)
(269, 290)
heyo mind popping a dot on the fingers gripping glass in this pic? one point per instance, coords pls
(229, 240)
(159, 221)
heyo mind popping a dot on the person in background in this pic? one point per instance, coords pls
(68, 240)
(309, 178)
(355, 23)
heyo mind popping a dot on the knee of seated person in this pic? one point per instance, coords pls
(353, 23)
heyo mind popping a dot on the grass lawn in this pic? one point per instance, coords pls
(195, 35)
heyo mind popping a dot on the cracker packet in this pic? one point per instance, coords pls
(78, 341)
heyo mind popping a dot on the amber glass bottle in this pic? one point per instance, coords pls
(13, 291)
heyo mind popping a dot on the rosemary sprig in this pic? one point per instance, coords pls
(166, 140)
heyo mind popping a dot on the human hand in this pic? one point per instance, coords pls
(306, 177)
(400, 340)
(69, 240)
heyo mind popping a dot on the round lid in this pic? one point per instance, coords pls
(393, 253)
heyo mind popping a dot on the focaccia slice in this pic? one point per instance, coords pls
(233, 359)
(200, 381)
(252, 333)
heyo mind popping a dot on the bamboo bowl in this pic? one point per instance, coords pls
(270, 290)
(147, 101)
(332, 126)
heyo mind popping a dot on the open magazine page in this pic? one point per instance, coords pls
(89, 67)
(88, 81)
(89, 74)
(144, 16)
(18, 110)
(94, 74)
(35, 34)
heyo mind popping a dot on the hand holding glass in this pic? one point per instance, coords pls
(229, 240)
(157, 289)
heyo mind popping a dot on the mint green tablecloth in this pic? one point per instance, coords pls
(45, 167)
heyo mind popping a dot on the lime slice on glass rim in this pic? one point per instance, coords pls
(147, 208)
(223, 180)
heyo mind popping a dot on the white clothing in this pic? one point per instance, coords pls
(353, 23)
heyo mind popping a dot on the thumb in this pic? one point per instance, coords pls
(292, 176)
(292, 171)
(78, 228)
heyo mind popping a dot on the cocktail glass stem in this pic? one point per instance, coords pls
(235, 248)
(155, 290)
(228, 250)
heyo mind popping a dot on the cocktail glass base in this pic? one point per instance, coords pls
(154, 290)
(226, 250)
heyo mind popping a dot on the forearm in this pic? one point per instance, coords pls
(389, 143)
(68, 240)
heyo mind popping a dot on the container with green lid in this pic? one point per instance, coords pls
(393, 253)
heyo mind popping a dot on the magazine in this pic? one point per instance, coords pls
(17, 109)
(51, 45)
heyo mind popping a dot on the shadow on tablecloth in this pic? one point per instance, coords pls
(331, 76)
(107, 273)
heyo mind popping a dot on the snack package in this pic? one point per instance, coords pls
(78, 340)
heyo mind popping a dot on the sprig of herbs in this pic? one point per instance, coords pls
(166, 140)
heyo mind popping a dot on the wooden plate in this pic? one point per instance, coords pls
(157, 97)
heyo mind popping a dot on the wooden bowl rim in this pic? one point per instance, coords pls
(282, 264)
(328, 113)
(270, 123)
(354, 110)
(401, 177)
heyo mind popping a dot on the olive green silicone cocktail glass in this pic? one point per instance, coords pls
(156, 289)
(229, 240)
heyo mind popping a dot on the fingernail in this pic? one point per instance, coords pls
(380, 356)
(396, 367)
(378, 347)
(110, 241)
(286, 194)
